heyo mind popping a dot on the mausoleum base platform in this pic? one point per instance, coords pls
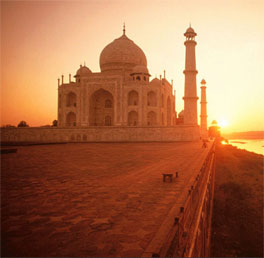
(100, 134)
(95, 199)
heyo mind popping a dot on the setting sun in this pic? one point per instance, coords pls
(223, 123)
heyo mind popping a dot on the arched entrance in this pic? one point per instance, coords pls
(152, 118)
(71, 119)
(101, 109)
(152, 99)
(71, 100)
(132, 98)
(132, 118)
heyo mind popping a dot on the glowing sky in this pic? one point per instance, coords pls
(40, 40)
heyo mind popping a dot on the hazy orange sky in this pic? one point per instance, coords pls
(40, 40)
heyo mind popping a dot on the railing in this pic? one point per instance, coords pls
(190, 234)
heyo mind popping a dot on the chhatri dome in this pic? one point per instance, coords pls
(122, 53)
(190, 30)
(83, 70)
(203, 81)
(190, 33)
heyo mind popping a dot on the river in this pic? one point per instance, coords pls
(254, 145)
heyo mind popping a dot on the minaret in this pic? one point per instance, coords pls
(190, 92)
(203, 116)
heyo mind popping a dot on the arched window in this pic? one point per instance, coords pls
(162, 100)
(152, 118)
(132, 118)
(100, 106)
(133, 98)
(108, 103)
(71, 119)
(152, 99)
(145, 78)
(138, 78)
(71, 99)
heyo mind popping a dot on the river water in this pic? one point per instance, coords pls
(256, 145)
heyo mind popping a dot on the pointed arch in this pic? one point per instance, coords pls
(152, 118)
(71, 119)
(101, 108)
(152, 99)
(132, 118)
(133, 98)
(71, 99)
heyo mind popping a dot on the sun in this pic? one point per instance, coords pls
(223, 123)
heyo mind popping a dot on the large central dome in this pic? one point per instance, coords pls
(122, 53)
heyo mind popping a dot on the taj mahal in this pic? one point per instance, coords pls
(121, 103)
(122, 94)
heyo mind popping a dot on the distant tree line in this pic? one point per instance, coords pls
(24, 124)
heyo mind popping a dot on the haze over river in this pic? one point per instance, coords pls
(256, 145)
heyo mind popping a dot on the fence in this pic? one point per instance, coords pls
(190, 235)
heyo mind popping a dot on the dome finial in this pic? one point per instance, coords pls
(190, 25)
(124, 29)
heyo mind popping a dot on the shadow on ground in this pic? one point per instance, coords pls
(237, 225)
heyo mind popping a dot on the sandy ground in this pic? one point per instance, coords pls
(91, 199)
(237, 226)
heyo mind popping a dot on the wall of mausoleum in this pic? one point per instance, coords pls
(99, 134)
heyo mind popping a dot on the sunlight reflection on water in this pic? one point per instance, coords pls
(256, 145)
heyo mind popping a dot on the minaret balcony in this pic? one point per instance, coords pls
(190, 42)
(194, 98)
(190, 71)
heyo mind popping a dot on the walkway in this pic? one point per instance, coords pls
(99, 199)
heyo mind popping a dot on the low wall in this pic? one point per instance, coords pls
(99, 134)
(186, 231)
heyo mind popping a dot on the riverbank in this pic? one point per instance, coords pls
(237, 224)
